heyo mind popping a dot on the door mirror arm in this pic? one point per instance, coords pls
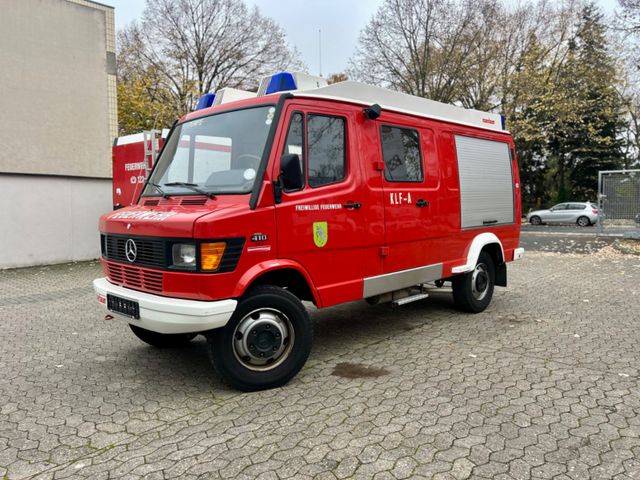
(277, 190)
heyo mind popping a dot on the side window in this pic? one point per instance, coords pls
(576, 206)
(294, 143)
(401, 154)
(560, 206)
(326, 149)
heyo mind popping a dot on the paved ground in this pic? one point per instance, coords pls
(545, 384)
(563, 239)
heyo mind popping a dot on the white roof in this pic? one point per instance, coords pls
(367, 95)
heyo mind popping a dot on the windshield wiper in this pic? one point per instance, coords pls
(157, 187)
(190, 186)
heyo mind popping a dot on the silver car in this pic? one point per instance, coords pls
(581, 213)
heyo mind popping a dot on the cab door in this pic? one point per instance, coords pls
(411, 201)
(331, 225)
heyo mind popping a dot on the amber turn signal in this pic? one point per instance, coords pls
(211, 255)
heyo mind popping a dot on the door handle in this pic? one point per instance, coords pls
(422, 203)
(352, 205)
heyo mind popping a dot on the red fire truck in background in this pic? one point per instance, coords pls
(307, 192)
(133, 157)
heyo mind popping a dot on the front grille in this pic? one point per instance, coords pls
(150, 252)
(134, 277)
(156, 252)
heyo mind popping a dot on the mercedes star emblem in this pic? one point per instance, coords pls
(131, 250)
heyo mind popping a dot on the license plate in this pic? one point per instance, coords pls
(128, 308)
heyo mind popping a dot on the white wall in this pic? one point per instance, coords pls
(45, 219)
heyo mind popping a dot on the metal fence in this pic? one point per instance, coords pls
(619, 201)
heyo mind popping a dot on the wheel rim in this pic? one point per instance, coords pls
(480, 281)
(582, 222)
(263, 339)
(535, 221)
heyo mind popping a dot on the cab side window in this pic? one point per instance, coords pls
(326, 149)
(294, 143)
(401, 154)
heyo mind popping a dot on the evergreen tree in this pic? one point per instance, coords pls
(594, 142)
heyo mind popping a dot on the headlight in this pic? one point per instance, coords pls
(184, 255)
(210, 255)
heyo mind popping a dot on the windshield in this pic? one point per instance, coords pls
(215, 154)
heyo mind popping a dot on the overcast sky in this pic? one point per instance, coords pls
(339, 20)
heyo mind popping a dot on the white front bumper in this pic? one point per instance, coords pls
(168, 315)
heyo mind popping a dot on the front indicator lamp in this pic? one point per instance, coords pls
(211, 255)
(184, 255)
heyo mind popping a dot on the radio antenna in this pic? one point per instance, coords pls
(320, 51)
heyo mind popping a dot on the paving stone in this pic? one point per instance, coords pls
(522, 390)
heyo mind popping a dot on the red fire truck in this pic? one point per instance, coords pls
(322, 193)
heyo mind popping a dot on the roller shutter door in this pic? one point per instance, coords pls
(486, 182)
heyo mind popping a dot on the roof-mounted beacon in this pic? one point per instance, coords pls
(289, 81)
(224, 95)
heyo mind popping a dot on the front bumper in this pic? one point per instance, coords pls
(168, 315)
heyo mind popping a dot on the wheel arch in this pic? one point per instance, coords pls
(286, 274)
(485, 241)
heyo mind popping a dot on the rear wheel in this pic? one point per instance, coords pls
(473, 291)
(535, 220)
(265, 343)
(162, 340)
(583, 221)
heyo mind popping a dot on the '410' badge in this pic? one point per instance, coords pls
(320, 234)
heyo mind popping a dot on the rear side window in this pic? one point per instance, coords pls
(401, 154)
(576, 206)
(325, 149)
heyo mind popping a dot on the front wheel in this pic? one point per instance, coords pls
(472, 292)
(535, 220)
(583, 221)
(266, 342)
(162, 340)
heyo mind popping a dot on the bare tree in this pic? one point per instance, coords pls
(630, 16)
(422, 47)
(196, 46)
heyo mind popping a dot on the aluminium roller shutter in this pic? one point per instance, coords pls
(486, 182)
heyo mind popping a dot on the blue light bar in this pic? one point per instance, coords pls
(504, 122)
(281, 82)
(205, 101)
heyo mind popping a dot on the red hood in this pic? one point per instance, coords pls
(161, 221)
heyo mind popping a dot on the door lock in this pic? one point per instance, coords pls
(422, 203)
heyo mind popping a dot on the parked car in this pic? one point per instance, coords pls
(581, 213)
(637, 219)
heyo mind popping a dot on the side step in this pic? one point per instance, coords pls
(409, 299)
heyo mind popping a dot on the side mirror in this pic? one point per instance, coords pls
(291, 172)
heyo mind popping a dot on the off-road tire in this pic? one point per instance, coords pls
(583, 221)
(463, 291)
(163, 340)
(221, 343)
(535, 220)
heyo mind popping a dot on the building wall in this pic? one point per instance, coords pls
(51, 219)
(58, 121)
